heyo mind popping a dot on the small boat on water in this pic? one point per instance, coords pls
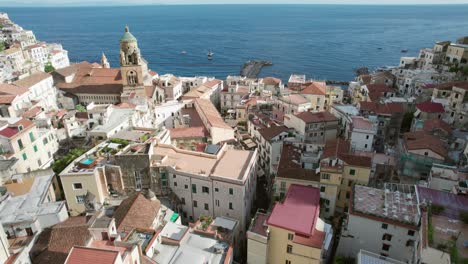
(183, 52)
(379, 48)
(210, 55)
(404, 50)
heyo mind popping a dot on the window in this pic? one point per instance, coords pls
(35, 148)
(174, 176)
(384, 226)
(410, 243)
(163, 175)
(347, 195)
(20, 144)
(205, 189)
(217, 203)
(25, 157)
(194, 188)
(186, 186)
(31, 136)
(387, 237)
(80, 199)
(231, 191)
(137, 181)
(77, 186)
(216, 190)
(230, 206)
(195, 204)
(367, 136)
(322, 188)
(410, 232)
(175, 184)
(182, 200)
(288, 262)
(289, 249)
(207, 207)
(365, 145)
(385, 247)
(290, 236)
(325, 176)
(352, 172)
(39, 162)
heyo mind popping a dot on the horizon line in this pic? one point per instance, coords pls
(239, 4)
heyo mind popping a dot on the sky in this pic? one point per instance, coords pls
(10, 3)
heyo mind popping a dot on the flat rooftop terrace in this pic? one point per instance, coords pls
(230, 163)
(397, 202)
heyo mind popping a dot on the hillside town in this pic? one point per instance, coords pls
(118, 164)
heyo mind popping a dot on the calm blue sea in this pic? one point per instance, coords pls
(322, 41)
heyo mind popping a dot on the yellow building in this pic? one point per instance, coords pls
(344, 169)
(88, 181)
(292, 233)
(291, 172)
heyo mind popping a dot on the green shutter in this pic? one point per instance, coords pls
(25, 157)
(35, 148)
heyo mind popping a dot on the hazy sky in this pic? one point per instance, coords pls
(120, 2)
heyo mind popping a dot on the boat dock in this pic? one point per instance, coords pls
(252, 68)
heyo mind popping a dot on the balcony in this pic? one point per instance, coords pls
(326, 167)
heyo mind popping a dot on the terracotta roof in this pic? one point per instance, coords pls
(10, 89)
(433, 124)
(53, 244)
(92, 80)
(316, 88)
(212, 83)
(74, 68)
(81, 115)
(365, 78)
(84, 255)
(269, 133)
(378, 90)
(301, 202)
(336, 147)
(449, 85)
(211, 113)
(430, 107)
(360, 122)
(136, 212)
(381, 109)
(355, 160)
(290, 167)
(188, 132)
(295, 99)
(7, 99)
(33, 112)
(310, 117)
(32, 79)
(271, 81)
(421, 140)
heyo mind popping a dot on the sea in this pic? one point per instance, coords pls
(325, 42)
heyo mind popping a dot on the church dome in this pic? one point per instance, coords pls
(127, 36)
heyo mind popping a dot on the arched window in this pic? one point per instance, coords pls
(132, 78)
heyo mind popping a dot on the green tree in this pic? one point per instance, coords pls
(80, 108)
(2, 46)
(49, 68)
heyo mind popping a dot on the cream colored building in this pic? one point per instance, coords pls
(292, 232)
(33, 147)
(313, 127)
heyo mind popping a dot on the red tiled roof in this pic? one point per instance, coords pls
(270, 132)
(290, 168)
(421, 140)
(84, 255)
(449, 85)
(188, 132)
(340, 148)
(316, 88)
(432, 124)
(136, 212)
(378, 90)
(310, 117)
(13, 129)
(299, 213)
(212, 83)
(381, 109)
(271, 81)
(92, 80)
(32, 79)
(33, 112)
(430, 107)
(10, 89)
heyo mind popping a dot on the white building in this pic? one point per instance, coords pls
(362, 132)
(220, 184)
(33, 147)
(41, 90)
(385, 221)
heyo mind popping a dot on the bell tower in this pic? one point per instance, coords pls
(133, 67)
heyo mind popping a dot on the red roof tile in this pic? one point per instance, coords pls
(136, 212)
(188, 132)
(421, 140)
(433, 124)
(316, 88)
(430, 107)
(83, 255)
(270, 132)
(290, 168)
(310, 117)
